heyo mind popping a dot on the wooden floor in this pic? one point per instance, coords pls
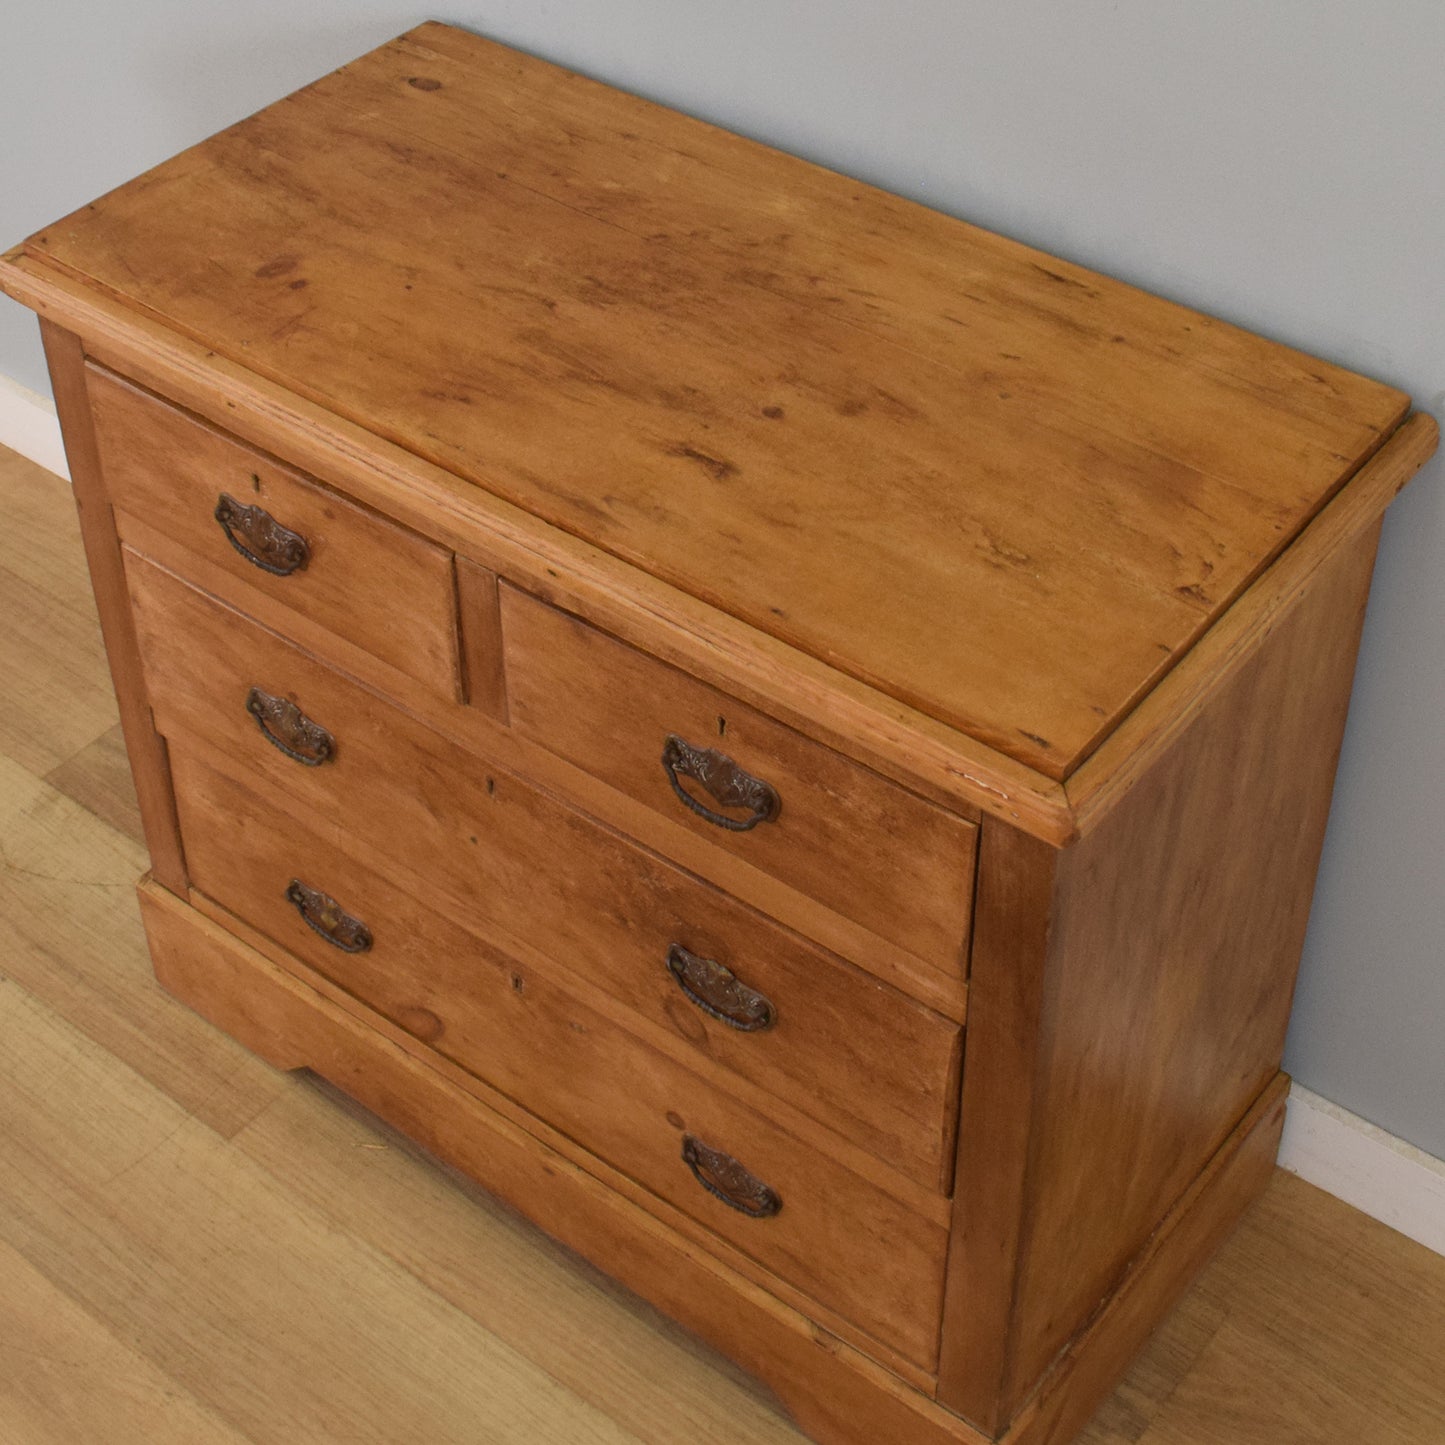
(195, 1249)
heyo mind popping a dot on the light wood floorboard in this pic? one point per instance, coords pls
(197, 1249)
(98, 777)
(57, 693)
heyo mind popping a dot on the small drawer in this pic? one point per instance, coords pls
(827, 826)
(784, 1203)
(717, 982)
(374, 583)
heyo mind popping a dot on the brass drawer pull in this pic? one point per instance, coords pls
(726, 783)
(324, 915)
(718, 991)
(286, 727)
(260, 538)
(721, 1175)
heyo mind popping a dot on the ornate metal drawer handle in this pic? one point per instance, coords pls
(324, 915)
(726, 783)
(721, 1175)
(286, 727)
(260, 538)
(717, 990)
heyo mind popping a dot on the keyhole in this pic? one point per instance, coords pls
(722, 726)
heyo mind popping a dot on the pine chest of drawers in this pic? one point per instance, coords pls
(788, 736)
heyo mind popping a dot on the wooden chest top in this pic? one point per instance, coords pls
(999, 488)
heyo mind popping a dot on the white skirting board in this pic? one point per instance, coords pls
(1383, 1176)
(28, 426)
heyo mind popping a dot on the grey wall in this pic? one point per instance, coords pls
(1280, 163)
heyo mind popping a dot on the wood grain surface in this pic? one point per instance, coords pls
(479, 626)
(144, 746)
(1150, 1013)
(48, 715)
(731, 352)
(1016, 519)
(503, 858)
(380, 586)
(818, 700)
(867, 848)
(476, 729)
(522, 1030)
(1177, 931)
(196, 1248)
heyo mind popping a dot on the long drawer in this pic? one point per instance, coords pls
(504, 858)
(788, 1205)
(867, 848)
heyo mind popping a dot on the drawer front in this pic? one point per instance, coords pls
(837, 1237)
(503, 857)
(840, 833)
(378, 585)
